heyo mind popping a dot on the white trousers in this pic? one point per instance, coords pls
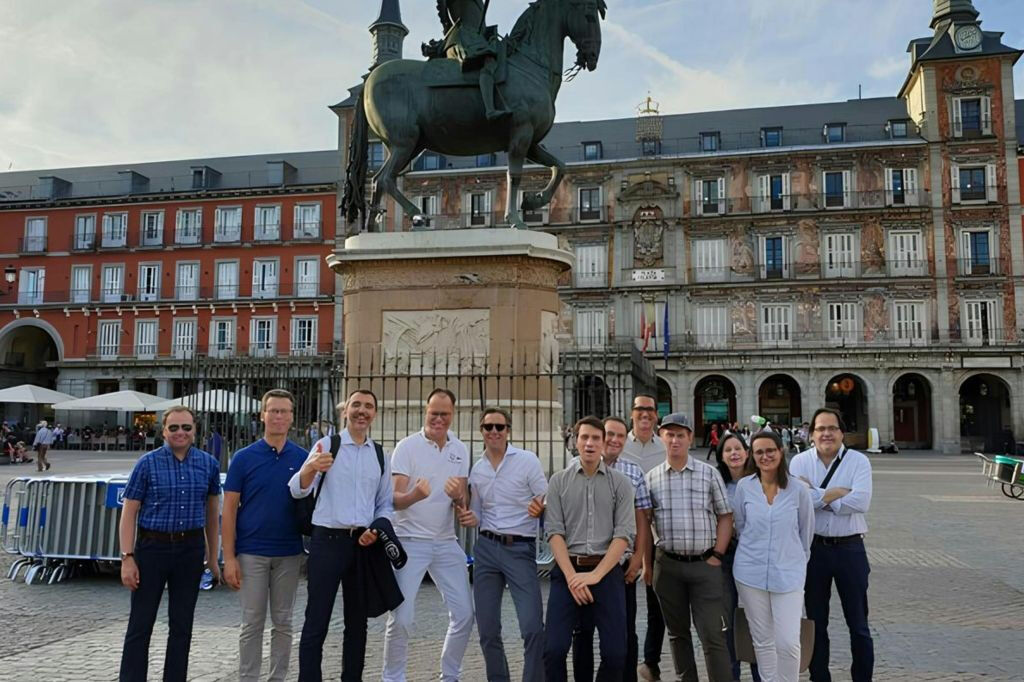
(446, 563)
(774, 619)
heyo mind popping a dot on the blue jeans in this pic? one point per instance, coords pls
(332, 563)
(607, 613)
(178, 565)
(847, 565)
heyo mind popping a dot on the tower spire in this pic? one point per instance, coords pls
(947, 10)
(388, 33)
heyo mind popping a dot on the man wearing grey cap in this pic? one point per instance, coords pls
(693, 524)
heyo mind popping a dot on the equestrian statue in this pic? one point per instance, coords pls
(476, 94)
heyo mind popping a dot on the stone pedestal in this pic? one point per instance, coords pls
(474, 311)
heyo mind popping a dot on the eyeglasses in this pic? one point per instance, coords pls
(826, 429)
(173, 428)
(494, 427)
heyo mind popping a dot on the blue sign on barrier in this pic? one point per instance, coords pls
(115, 495)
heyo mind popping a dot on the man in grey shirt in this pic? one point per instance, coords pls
(589, 524)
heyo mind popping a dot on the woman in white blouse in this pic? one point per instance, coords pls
(774, 518)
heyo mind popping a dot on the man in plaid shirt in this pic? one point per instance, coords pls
(693, 522)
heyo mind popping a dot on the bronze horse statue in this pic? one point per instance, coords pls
(414, 106)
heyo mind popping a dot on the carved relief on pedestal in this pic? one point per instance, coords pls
(742, 252)
(437, 341)
(872, 246)
(426, 273)
(548, 342)
(648, 237)
(808, 261)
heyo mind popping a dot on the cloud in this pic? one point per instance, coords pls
(889, 67)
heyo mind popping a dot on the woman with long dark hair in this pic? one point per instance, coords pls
(774, 518)
(734, 463)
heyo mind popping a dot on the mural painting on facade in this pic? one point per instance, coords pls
(808, 260)
(648, 237)
(744, 322)
(872, 247)
(742, 251)
(876, 322)
(808, 313)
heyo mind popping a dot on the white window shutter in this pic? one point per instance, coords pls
(698, 197)
(991, 190)
(764, 257)
(955, 184)
(847, 187)
(986, 115)
(785, 257)
(824, 188)
(888, 186)
(721, 196)
(957, 120)
(910, 186)
(785, 191)
(965, 251)
(763, 192)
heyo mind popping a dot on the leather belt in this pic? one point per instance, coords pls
(506, 539)
(689, 558)
(829, 541)
(172, 536)
(585, 562)
(336, 533)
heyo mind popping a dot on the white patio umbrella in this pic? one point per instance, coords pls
(119, 401)
(31, 394)
(214, 400)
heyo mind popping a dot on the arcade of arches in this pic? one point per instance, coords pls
(25, 352)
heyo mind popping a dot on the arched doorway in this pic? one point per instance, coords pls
(778, 400)
(25, 350)
(912, 412)
(847, 394)
(714, 401)
(592, 397)
(986, 422)
(664, 398)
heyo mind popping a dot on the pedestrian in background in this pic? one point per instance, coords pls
(41, 443)
(774, 519)
(734, 463)
(171, 501)
(262, 544)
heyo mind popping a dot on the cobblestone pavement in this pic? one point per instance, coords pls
(947, 595)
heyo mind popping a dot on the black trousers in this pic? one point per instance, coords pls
(654, 638)
(332, 564)
(583, 642)
(179, 566)
(847, 565)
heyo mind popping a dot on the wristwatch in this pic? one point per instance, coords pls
(125, 555)
(718, 555)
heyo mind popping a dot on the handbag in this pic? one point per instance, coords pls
(744, 643)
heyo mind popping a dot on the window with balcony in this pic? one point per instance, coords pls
(901, 187)
(187, 284)
(145, 339)
(152, 228)
(533, 216)
(108, 334)
(307, 277)
(115, 230)
(188, 226)
(227, 224)
(268, 223)
(113, 284)
(429, 161)
(711, 326)
(591, 328)
(85, 233)
(906, 257)
(35, 235)
(263, 336)
(226, 285)
(31, 283)
(592, 151)
(976, 252)
(375, 155)
(981, 322)
(771, 137)
(973, 183)
(843, 323)
(264, 278)
(590, 203)
(81, 283)
(303, 340)
(972, 117)
(592, 265)
(908, 322)
(429, 205)
(840, 252)
(837, 188)
(776, 325)
(183, 340)
(222, 337)
(774, 258)
(650, 324)
(149, 281)
(773, 192)
(709, 196)
(306, 221)
(835, 132)
(710, 142)
(480, 209)
(709, 263)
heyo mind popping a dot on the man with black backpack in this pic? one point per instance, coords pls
(351, 480)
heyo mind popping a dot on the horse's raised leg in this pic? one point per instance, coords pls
(538, 154)
(386, 180)
(520, 143)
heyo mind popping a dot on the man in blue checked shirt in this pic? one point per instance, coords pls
(173, 495)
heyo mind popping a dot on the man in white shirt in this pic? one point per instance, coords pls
(429, 470)
(840, 481)
(42, 442)
(507, 486)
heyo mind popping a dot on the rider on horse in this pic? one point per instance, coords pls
(470, 42)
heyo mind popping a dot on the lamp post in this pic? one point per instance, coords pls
(10, 275)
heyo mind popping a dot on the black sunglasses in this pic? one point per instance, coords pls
(173, 428)
(494, 427)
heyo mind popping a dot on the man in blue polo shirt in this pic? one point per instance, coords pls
(262, 545)
(172, 496)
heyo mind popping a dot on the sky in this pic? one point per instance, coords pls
(90, 82)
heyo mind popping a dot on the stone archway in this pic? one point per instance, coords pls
(714, 401)
(848, 394)
(27, 346)
(778, 400)
(592, 397)
(664, 398)
(986, 417)
(912, 412)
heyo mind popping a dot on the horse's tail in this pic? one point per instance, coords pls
(353, 202)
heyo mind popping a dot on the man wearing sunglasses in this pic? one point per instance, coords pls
(173, 495)
(507, 486)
